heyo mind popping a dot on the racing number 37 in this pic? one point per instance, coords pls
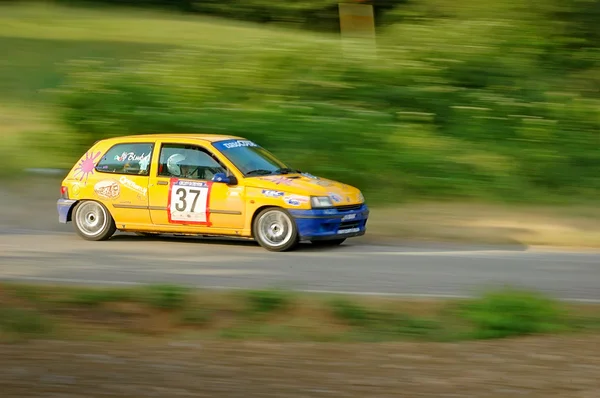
(189, 202)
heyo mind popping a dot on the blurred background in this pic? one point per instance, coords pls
(462, 100)
(465, 119)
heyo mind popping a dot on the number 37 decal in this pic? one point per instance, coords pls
(188, 202)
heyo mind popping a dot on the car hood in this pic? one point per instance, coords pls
(309, 185)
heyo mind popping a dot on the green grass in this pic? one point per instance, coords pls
(31, 72)
(24, 323)
(275, 314)
(266, 301)
(510, 312)
(471, 103)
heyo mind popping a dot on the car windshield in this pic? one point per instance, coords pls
(251, 159)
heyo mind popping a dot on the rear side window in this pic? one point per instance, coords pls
(127, 159)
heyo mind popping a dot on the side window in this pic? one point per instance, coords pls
(188, 161)
(131, 158)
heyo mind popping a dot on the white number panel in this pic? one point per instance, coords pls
(188, 202)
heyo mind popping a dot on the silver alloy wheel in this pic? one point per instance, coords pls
(275, 228)
(91, 219)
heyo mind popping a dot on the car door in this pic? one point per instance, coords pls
(121, 182)
(182, 192)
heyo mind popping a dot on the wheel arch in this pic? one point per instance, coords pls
(71, 209)
(106, 206)
(256, 213)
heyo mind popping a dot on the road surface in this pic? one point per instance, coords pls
(34, 247)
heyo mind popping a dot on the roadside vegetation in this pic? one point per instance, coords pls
(469, 101)
(33, 311)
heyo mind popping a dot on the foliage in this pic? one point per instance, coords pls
(313, 14)
(264, 301)
(166, 297)
(443, 109)
(461, 100)
(512, 312)
(23, 322)
(270, 314)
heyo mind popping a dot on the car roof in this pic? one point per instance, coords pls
(183, 136)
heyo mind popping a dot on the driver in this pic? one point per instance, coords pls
(176, 168)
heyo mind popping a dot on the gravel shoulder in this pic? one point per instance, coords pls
(531, 367)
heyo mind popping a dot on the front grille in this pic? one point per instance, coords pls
(348, 225)
(349, 207)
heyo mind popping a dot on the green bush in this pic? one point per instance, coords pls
(264, 301)
(475, 113)
(511, 312)
(23, 322)
(96, 297)
(313, 14)
(196, 317)
(352, 313)
(168, 297)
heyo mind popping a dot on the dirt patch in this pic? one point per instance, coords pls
(559, 227)
(531, 367)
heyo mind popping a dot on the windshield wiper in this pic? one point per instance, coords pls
(259, 172)
(286, 170)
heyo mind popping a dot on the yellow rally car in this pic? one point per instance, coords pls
(205, 185)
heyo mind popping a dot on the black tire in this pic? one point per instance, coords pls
(282, 221)
(328, 243)
(93, 221)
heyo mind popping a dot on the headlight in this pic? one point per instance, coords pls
(361, 198)
(320, 202)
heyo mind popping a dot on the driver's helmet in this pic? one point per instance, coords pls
(174, 164)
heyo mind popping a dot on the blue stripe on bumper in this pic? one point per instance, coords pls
(64, 207)
(331, 223)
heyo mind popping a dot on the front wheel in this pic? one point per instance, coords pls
(275, 230)
(92, 221)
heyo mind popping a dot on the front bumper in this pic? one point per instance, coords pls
(337, 223)
(64, 207)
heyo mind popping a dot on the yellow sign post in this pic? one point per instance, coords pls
(357, 24)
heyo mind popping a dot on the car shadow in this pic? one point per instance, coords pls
(212, 240)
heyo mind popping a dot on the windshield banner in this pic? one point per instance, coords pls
(230, 144)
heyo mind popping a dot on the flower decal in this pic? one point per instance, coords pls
(86, 166)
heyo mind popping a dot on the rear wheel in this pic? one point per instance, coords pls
(92, 221)
(275, 230)
(328, 243)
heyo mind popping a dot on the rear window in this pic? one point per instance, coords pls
(129, 158)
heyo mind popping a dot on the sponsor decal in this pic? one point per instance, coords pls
(295, 200)
(335, 197)
(349, 217)
(108, 189)
(348, 231)
(75, 189)
(131, 157)
(310, 176)
(272, 194)
(133, 186)
(234, 192)
(324, 183)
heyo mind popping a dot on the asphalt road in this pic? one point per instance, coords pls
(34, 247)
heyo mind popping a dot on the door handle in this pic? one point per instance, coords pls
(163, 183)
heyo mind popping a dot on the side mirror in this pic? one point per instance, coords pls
(223, 178)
